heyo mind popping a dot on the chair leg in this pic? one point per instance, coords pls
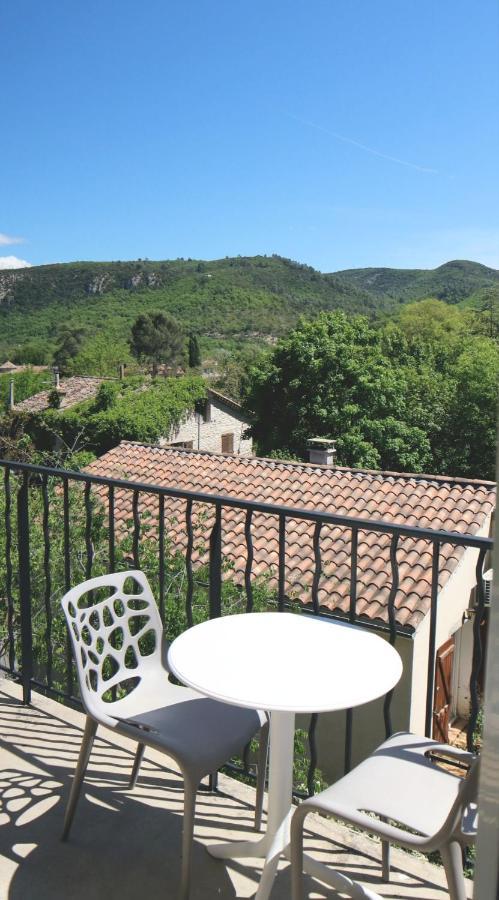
(213, 782)
(385, 856)
(139, 754)
(296, 856)
(190, 791)
(84, 756)
(261, 774)
(385, 860)
(452, 859)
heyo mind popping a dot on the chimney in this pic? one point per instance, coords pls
(56, 378)
(322, 451)
(11, 393)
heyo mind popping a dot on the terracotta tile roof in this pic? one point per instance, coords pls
(440, 503)
(75, 390)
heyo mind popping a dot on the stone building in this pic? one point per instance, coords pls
(219, 427)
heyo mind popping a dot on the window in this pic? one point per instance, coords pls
(228, 443)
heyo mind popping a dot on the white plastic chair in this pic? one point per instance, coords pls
(118, 646)
(421, 806)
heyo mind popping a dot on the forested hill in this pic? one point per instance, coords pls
(453, 282)
(242, 297)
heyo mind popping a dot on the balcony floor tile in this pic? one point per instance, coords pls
(125, 844)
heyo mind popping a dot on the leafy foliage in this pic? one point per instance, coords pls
(134, 409)
(99, 355)
(330, 378)
(157, 338)
(70, 342)
(194, 352)
(34, 352)
(417, 396)
(54, 398)
(233, 369)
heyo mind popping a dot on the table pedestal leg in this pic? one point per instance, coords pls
(276, 837)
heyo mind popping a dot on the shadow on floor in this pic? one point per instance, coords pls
(125, 845)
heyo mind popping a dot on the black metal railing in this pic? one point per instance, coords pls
(61, 527)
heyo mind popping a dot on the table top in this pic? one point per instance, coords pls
(285, 661)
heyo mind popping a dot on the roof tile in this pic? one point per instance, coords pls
(437, 503)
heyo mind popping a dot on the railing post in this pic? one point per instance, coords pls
(216, 565)
(67, 578)
(281, 590)
(352, 615)
(430, 684)
(215, 590)
(392, 624)
(8, 570)
(25, 590)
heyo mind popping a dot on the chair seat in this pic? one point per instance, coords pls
(398, 782)
(200, 732)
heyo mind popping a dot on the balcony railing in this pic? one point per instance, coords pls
(60, 527)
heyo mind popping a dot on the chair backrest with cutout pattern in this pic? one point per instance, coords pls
(116, 638)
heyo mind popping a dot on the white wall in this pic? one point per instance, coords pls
(208, 435)
(462, 669)
(453, 600)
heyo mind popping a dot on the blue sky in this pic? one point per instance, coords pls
(340, 133)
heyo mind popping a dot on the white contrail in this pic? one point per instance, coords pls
(347, 140)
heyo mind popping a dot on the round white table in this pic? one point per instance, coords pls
(286, 663)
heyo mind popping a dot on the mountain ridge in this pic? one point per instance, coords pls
(235, 297)
(453, 281)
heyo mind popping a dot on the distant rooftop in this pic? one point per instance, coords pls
(415, 500)
(226, 401)
(73, 390)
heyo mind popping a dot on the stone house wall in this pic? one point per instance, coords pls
(205, 432)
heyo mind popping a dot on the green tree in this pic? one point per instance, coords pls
(35, 353)
(69, 345)
(468, 438)
(432, 321)
(54, 399)
(330, 378)
(194, 352)
(434, 332)
(157, 338)
(235, 367)
(451, 363)
(101, 356)
(487, 315)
